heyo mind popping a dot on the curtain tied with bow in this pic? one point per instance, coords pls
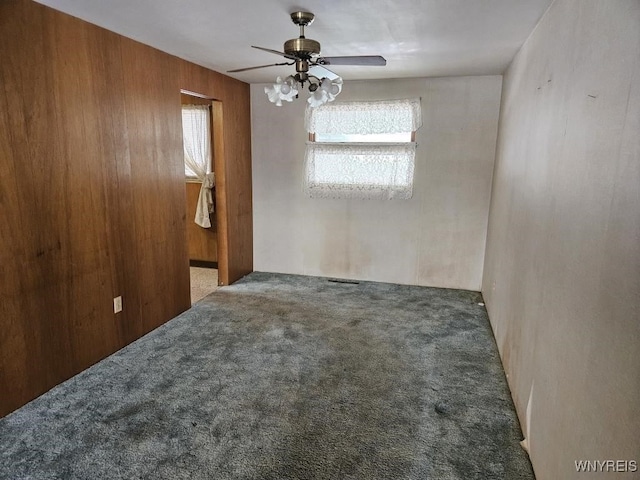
(196, 129)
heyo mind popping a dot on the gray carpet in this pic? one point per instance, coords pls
(286, 377)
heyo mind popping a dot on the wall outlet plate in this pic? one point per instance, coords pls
(117, 304)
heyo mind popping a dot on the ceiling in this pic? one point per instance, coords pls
(419, 38)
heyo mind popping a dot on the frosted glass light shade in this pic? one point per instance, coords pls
(326, 92)
(320, 93)
(282, 90)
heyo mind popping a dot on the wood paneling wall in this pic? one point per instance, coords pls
(92, 195)
(202, 242)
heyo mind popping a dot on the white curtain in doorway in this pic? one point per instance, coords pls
(196, 131)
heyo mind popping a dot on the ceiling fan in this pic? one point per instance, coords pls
(304, 53)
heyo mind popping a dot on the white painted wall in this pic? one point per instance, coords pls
(562, 269)
(437, 238)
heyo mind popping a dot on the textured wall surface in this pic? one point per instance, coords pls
(437, 238)
(562, 270)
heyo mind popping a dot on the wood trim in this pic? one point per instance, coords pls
(195, 94)
(220, 168)
(203, 264)
(188, 99)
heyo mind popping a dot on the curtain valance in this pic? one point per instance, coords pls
(385, 116)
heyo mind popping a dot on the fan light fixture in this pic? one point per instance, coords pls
(321, 90)
(304, 53)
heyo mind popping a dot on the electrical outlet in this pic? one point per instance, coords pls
(117, 304)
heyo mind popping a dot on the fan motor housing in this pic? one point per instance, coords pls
(302, 47)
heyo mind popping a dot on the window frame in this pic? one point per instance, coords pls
(365, 190)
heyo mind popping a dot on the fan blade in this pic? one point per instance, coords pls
(285, 55)
(322, 72)
(365, 60)
(261, 66)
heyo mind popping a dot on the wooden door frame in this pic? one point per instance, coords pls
(219, 167)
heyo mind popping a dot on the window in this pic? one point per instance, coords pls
(362, 149)
(196, 135)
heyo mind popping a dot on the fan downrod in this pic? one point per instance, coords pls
(302, 48)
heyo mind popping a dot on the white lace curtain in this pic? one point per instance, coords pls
(385, 116)
(360, 170)
(196, 131)
(372, 170)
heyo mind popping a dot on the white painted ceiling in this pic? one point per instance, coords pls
(419, 38)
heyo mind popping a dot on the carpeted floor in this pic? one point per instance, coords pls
(286, 377)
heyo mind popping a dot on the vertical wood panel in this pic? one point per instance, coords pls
(153, 116)
(91, 193)
(202, 242)
(107, 77)
(238, 180)
(36, 259)
(28, 263)
(80, 214)
(222, 215)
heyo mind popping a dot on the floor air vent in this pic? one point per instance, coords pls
(340, 280)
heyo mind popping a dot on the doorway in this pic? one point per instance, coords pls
(201, 221)
(233, 180)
